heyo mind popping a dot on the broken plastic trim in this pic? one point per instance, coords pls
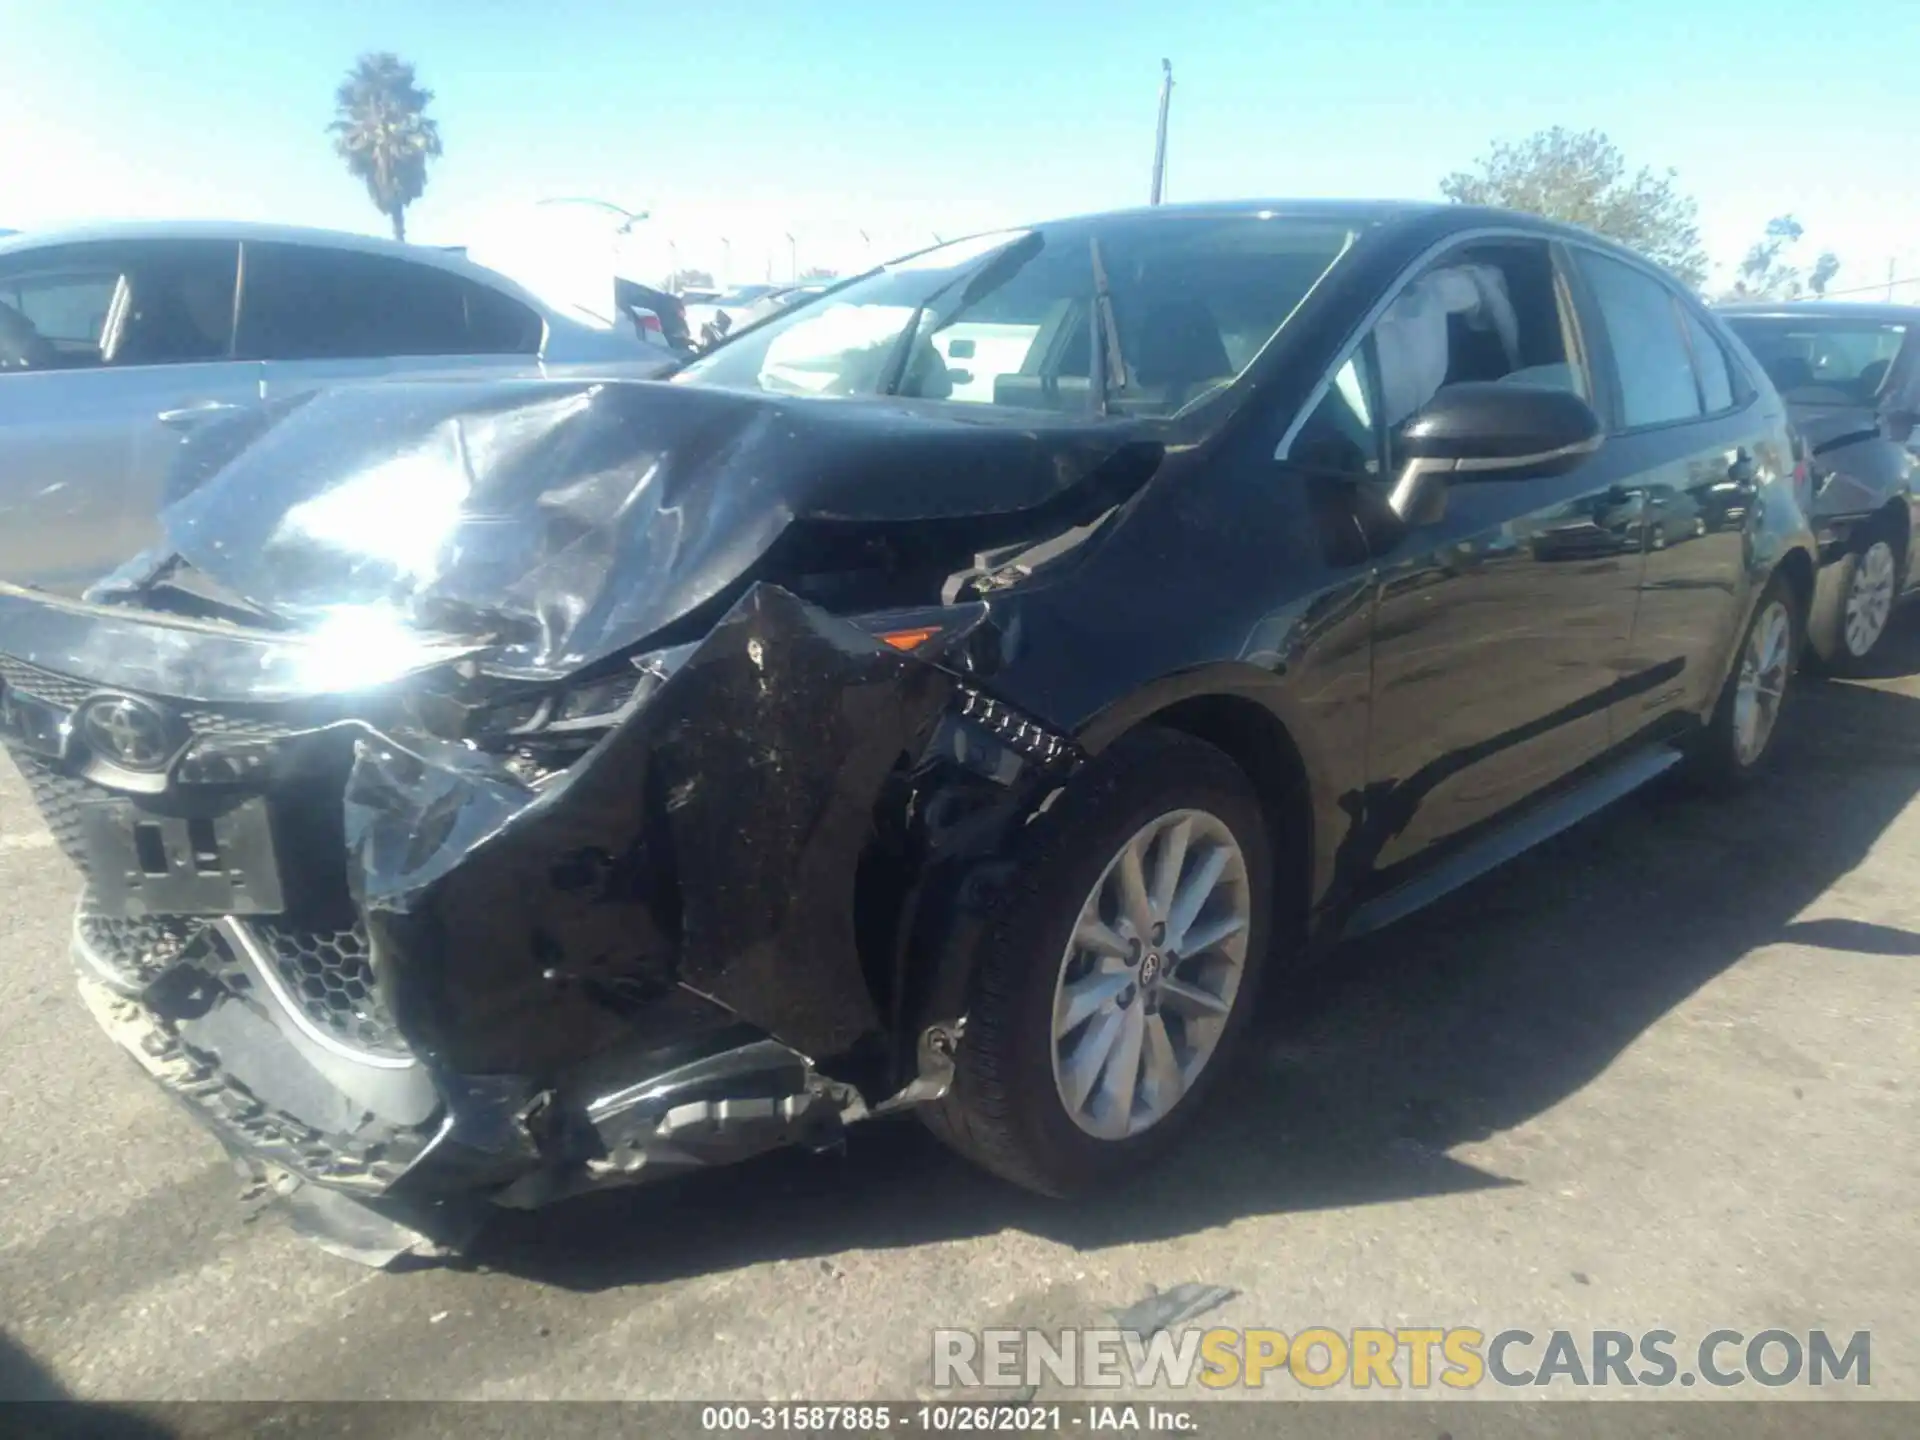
(711, 839)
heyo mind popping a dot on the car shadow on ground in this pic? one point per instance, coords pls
(33, 1404)
(1469, 1019)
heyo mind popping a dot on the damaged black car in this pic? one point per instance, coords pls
(960, 694)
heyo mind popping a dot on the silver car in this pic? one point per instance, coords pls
(116, 341)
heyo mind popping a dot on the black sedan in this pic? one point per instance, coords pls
(1850, 374)
(961, 693)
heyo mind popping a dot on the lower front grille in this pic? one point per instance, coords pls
(369, 1160)
(59, 797)
(138, 951)
(329, 975)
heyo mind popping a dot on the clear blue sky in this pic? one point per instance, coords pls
(755, 118)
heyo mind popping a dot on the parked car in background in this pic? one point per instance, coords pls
(1850, 374)
(116, 340)
(669, 315)
(666, 772)
(732, 303)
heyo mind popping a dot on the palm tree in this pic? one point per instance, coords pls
(381, 130)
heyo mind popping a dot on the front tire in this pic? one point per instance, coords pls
(1114, 990)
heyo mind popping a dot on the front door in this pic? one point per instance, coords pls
(1501, 623)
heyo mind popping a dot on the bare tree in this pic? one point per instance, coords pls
(1581, 178)
(382, 131)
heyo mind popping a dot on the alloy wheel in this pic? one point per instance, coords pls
(1151, 974)
(1764, 663)
(1869, 598)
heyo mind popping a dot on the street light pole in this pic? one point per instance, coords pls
(1160, 139)
(628, 218)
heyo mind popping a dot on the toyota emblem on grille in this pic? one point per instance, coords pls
(128, 732)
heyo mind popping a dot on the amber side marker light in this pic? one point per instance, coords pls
(909, 639)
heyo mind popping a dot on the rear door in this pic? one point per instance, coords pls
(1501, 625)
(317, 316)
(109, 352)
(1683, 417)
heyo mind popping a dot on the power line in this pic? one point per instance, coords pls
(1861, 289)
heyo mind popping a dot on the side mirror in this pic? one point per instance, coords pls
(1490, 430)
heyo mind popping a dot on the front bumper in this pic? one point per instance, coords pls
(378, 1157)
(507, 994)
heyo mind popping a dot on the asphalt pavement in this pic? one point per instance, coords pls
(1659, 1073)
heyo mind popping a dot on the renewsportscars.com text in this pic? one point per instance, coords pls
(1459, 1358)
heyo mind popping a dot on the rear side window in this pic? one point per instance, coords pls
(500, 325)
(1709, 364)
(123, 303)
(305, 302)
(1653, 368)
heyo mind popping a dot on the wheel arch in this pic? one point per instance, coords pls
(1796, 568)
(927, 938)
(1241, 721)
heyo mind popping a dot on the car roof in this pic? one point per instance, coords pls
(261, 233)
(1873, 313)
(1418, 221)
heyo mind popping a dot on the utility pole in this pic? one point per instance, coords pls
(1160, 139)
(1890, 260)
(793, 257)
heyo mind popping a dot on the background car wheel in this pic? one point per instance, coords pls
(1113, 991)
(1869, 587)
(1739, 737)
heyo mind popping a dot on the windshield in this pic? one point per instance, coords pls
(1822, 360)
(1135, 314)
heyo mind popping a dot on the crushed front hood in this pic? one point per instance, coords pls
(557, 522)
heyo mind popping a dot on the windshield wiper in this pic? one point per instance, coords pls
(1109, 364)
(996, 272)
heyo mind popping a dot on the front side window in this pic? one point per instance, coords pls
(1821, 359)
(1134, 315)
(1489, 312)
(1653, 366)
(160, 302)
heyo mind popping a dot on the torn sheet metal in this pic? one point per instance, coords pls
(710, 840)
(564, 521)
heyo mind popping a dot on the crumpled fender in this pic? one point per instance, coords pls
(711, 840)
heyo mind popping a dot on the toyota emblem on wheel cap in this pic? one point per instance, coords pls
(128, 732)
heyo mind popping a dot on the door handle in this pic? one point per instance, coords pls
(189, 415)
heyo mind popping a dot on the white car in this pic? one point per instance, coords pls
(117, 340)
